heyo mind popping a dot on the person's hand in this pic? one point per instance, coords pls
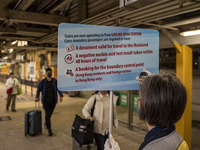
(36, 99)
(14, 86)
(90, 118)
(61, 99)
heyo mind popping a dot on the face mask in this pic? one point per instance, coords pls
(49, 75)
(138, 108)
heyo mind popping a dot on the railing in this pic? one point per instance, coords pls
(29, 85)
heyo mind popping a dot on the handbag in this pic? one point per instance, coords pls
(19, 90)
(83, 130)
(9, 91)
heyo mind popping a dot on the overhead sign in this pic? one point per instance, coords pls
(94, 57)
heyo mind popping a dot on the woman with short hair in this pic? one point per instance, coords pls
(162, 103)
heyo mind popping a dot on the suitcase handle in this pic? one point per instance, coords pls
(38, 106)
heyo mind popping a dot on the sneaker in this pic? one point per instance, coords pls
(13, 110)
(50, 132)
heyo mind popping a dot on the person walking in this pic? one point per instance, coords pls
(48, 87)
(100, 116)
(11, 85)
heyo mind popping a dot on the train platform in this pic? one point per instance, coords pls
(12, 135)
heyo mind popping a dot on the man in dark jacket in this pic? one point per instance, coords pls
(48, 87)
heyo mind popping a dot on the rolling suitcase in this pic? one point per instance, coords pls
(33, 122)
(77, 146)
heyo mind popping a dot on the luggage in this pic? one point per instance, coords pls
(83, 130)
(33, 122)
(76, 146)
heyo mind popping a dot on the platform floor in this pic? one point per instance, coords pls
(12, 126)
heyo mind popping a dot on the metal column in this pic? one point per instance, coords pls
(184, 73)
(130, 110)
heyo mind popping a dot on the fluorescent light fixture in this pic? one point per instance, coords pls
(14, 42)
(190, 33)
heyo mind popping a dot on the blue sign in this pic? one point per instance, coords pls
(94, 57)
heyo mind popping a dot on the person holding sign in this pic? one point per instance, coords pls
(100, 116)
(48, 87)
(161, 104)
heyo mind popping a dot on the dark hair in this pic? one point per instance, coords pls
(48, 69)
(11, 73)
(163, 99)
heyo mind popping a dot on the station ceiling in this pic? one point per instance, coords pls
(36, 21)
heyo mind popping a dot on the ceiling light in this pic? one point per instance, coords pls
(14, 42)
(22, 43)
(190, 33)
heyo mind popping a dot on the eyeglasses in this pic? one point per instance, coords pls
(139, 99)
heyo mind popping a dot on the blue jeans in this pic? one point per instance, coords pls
(100, 140)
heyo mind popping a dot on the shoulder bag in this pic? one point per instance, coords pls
(83, 129)
(9, 91)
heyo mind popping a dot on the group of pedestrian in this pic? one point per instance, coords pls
(161, 103)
